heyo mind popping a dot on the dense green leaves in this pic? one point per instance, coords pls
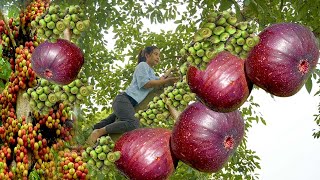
(119, 29)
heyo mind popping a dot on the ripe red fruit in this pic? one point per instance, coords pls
(145, 154)
(205, 139)
(58, 62)
(223, 86)
(283, 59)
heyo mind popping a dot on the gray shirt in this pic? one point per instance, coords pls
(142, 74)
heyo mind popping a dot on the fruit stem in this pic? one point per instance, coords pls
(174, 112)
(67, 34)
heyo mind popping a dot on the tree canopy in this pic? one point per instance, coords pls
(110, 64)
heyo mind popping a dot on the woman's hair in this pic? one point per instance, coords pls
(144, 52)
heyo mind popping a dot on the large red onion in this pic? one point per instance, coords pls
(284, 58)
(205, 139)
(223, 85)
(146, 154)
(58, 62)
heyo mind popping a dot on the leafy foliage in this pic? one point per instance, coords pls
(126, 21)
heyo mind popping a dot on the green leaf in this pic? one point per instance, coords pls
(5, 69)
(308, 84)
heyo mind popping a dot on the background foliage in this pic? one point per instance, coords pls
(125, 22)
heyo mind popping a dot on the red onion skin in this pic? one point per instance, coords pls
(283, 59)
(146, 154)
(223, 86)
(58, 62)
(205, 139)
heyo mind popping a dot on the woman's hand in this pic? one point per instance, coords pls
(95, 135)
(172, 80)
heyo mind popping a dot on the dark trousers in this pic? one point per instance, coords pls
(122, 119)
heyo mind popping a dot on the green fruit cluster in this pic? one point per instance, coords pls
(157, 113)
(54, 21)
(45, 95)
(101, 157)
(178, 95)
(220, 31)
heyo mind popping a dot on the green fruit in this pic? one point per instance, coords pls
(190, 59)
(54, 17)
(43, 97)
(46, 89)
(102, 156)
(76, 31)
(219, 47)
(205, 32)
(250, 42)
(72, 25)
(200, 52)
(237, 34)
(197, 37)
(47, 18)
(197, 45)
(178, 97)
(79, 96)
(232, 20)
(34, 95)
(237, 49)
(192, 51)
(182, 52)
(205, 59)
(105, 148)
(86, 23)
(211, 53)
(80, 26)
(187, 98)
(32, 103)
(218, 30)
(160, 117)
(52, 10)
(224, 36)
(89, 149)
(246, 47)
(240, 41)
(56, 31)
(242, 26)
(221, 21)
(197, 60)
(72, 9)
(99, 164)
(66, 88)
(231, 29)
(93, 154)
(106, 162)
(51, 25)
(60, 26)
(74, 90)
(75, 18)
(42, 23)
(214, 39)
(40, 105)
(229, 48)
(244, 34)
(113, 156)
(71, 98)
(33, 24)
(39, 90)
(52, 98)
(151, 116)
(210, 25)
(48, 103)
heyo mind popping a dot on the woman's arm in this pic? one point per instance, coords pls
(161, 82)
